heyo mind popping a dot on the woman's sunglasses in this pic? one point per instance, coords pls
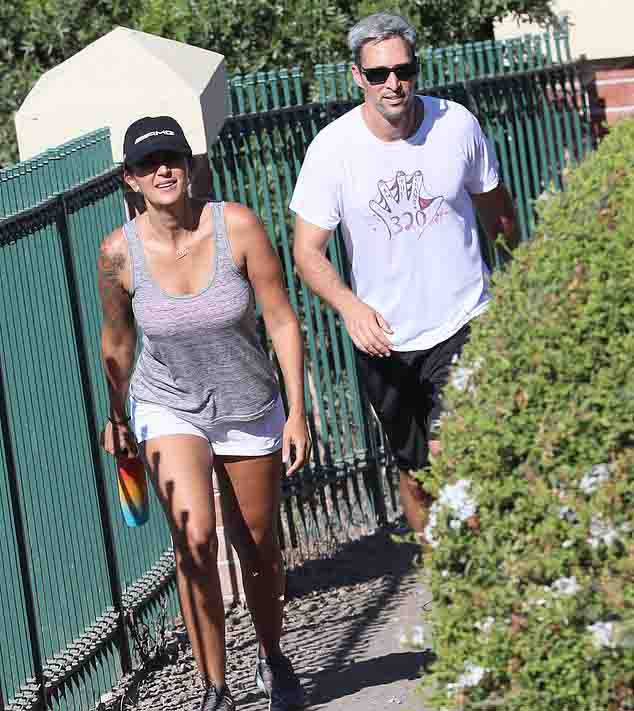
(152, 161)
(379, 75)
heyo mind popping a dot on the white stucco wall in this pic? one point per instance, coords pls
(599, 29)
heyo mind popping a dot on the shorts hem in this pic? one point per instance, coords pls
(410, 470)
(239, 452)
(156, 435)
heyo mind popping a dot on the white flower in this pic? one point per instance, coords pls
(486, 625)
(471, 676)
(567, 544)
(566, 586)
(567, 514)
(602, 634)
(418, 636)
(431, 524)
(591, 481)
(461, 375)
(457, 500)
(601, 532)
(415, 637)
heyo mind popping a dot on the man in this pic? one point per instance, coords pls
(402, 174)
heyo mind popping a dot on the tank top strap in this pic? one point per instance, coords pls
(221, 238)
(137, 258)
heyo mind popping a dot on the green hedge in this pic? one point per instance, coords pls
(532, 567)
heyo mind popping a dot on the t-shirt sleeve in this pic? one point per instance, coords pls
(317, 194)
(482, 165)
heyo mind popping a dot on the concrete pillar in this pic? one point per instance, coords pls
(119, 78)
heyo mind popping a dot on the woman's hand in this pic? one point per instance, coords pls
(295, 443)
(117, 439)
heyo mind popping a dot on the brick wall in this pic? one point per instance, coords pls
(610, 91)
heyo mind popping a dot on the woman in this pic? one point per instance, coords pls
(203, 393)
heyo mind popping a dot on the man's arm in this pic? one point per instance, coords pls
(497, 215)
(366, 327)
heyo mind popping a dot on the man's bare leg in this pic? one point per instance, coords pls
(416, 502)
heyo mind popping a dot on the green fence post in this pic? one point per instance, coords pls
(330, 70)
(343, 73)
(23, 548)
(429, 64)
(296, 75)
(93, 429)
(489, 58)
(479, 52)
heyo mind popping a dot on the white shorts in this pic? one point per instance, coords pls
(230, 438)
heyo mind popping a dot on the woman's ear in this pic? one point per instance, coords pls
(130, 181)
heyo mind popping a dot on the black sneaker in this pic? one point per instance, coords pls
(214, 700)
(277, 679)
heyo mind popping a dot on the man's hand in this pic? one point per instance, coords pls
(368, 329)
(497, 215)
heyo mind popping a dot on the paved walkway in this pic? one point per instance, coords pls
(349, 626)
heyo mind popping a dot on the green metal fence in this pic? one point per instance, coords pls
(71, 569)
(32, 181)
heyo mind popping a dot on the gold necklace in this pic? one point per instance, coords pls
(183, 251)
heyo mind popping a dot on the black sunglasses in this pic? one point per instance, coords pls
(379, 75)
(153, 160)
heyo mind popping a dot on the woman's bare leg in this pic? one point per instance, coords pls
(180, 468)
(250, 490)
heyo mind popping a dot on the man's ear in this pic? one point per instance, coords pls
(358, 77)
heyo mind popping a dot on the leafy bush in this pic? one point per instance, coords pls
(532, 562)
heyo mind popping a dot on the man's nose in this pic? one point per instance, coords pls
(392, 81)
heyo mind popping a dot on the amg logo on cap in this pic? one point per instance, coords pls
(167, 132)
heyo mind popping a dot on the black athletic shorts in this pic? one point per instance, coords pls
(405, 391)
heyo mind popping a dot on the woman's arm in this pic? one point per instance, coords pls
(262, 266)
(118, 337)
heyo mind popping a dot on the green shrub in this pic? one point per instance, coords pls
(532, 570)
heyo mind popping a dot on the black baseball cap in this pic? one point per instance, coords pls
(153, 133)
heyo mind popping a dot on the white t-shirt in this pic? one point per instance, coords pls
(407, 217)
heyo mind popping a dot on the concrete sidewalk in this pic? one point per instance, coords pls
(349, 626)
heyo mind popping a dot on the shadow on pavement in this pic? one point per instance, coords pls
(359, 561)
(335, 684)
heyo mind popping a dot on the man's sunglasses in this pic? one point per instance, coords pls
(379, 75)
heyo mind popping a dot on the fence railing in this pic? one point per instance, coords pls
(32, 181)
(72, 572)
(441, 66)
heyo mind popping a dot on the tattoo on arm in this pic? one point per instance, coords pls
(115, 301)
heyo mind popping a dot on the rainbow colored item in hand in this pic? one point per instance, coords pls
(133, 491)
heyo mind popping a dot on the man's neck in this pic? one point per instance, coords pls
(403, 128)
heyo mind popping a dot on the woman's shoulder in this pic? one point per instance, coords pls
(114, 244)
(241, 221)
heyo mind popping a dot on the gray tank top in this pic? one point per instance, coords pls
(201, 356)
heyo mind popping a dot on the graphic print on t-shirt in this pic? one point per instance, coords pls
(405, 206)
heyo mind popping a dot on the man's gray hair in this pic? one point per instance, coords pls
(379, 27)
